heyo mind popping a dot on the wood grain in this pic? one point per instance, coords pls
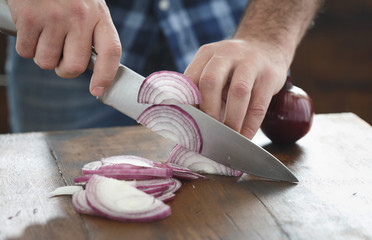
(28, 172)
(333, 199)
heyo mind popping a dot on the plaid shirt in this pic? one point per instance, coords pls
(180, 26)
(155, 34)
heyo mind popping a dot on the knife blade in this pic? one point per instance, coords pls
(220, 143)
(6, 23)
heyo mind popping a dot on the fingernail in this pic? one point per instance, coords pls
(98, 91)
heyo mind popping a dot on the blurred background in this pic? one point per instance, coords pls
(333, 63)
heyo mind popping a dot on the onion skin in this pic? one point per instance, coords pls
(289, 116)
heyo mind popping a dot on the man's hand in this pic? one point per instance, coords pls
(246, 71)
(244, 75)
(59, 35)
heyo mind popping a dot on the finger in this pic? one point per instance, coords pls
(262, 93)
(49, 47)
(238, 97)
(76, 53)
(27, 38)
(195, 68)
(212, 81)
(108, 48)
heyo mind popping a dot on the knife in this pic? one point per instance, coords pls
(220, 143)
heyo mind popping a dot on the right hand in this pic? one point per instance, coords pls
(60, 34)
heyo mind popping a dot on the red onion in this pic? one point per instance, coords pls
(167, 87)
(124, 161)
(122, 202)
(198, 163)
(65, 190)
(79, 202)
(84, 179)
(155, 191)
(91, 166)
(183, 172)
(166, 197)
(128, 159)
(125, 167)
(164, 192)
(173, 123)
(128, 167)
(138, 200)
(168, 194)
(289, 116)
(124, 172)
(159, 182)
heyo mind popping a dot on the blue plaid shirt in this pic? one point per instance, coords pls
(155, 35)
(178, 27)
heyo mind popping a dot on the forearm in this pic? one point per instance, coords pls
(280, 23)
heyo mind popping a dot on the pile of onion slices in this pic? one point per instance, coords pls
(134, 189)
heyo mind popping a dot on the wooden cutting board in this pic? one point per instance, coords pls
(333, 199)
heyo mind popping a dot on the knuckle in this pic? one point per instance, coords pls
(257, 110)
(248, 132)
(73, 70)
(207, 81)
(231, 44)
(55, 15)
(232, 122)
(80, 10)
(206, 48)
(24, 51)
(114, 50)
(45, 64)
(49, 59)
(231, 47)
(240, 88)
(27, 15)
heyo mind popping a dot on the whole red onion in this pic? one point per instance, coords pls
(289, 116)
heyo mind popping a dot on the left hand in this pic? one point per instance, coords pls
(244, 74)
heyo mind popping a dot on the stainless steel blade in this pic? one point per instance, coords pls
(122, 93)
(228, 147)
(220, 143)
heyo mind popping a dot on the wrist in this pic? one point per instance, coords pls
(277, 25)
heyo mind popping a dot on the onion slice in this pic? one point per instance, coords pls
(182, 172)
(121, 201)
(168, 87)
(199, 163)
(65, 190)
(79, 202)
(124, 173)
(124, 167)
(128, 159)
(174, 123)
(91, 166)
(160, 182)
(169, 194)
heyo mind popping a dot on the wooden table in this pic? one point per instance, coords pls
(333, 199)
